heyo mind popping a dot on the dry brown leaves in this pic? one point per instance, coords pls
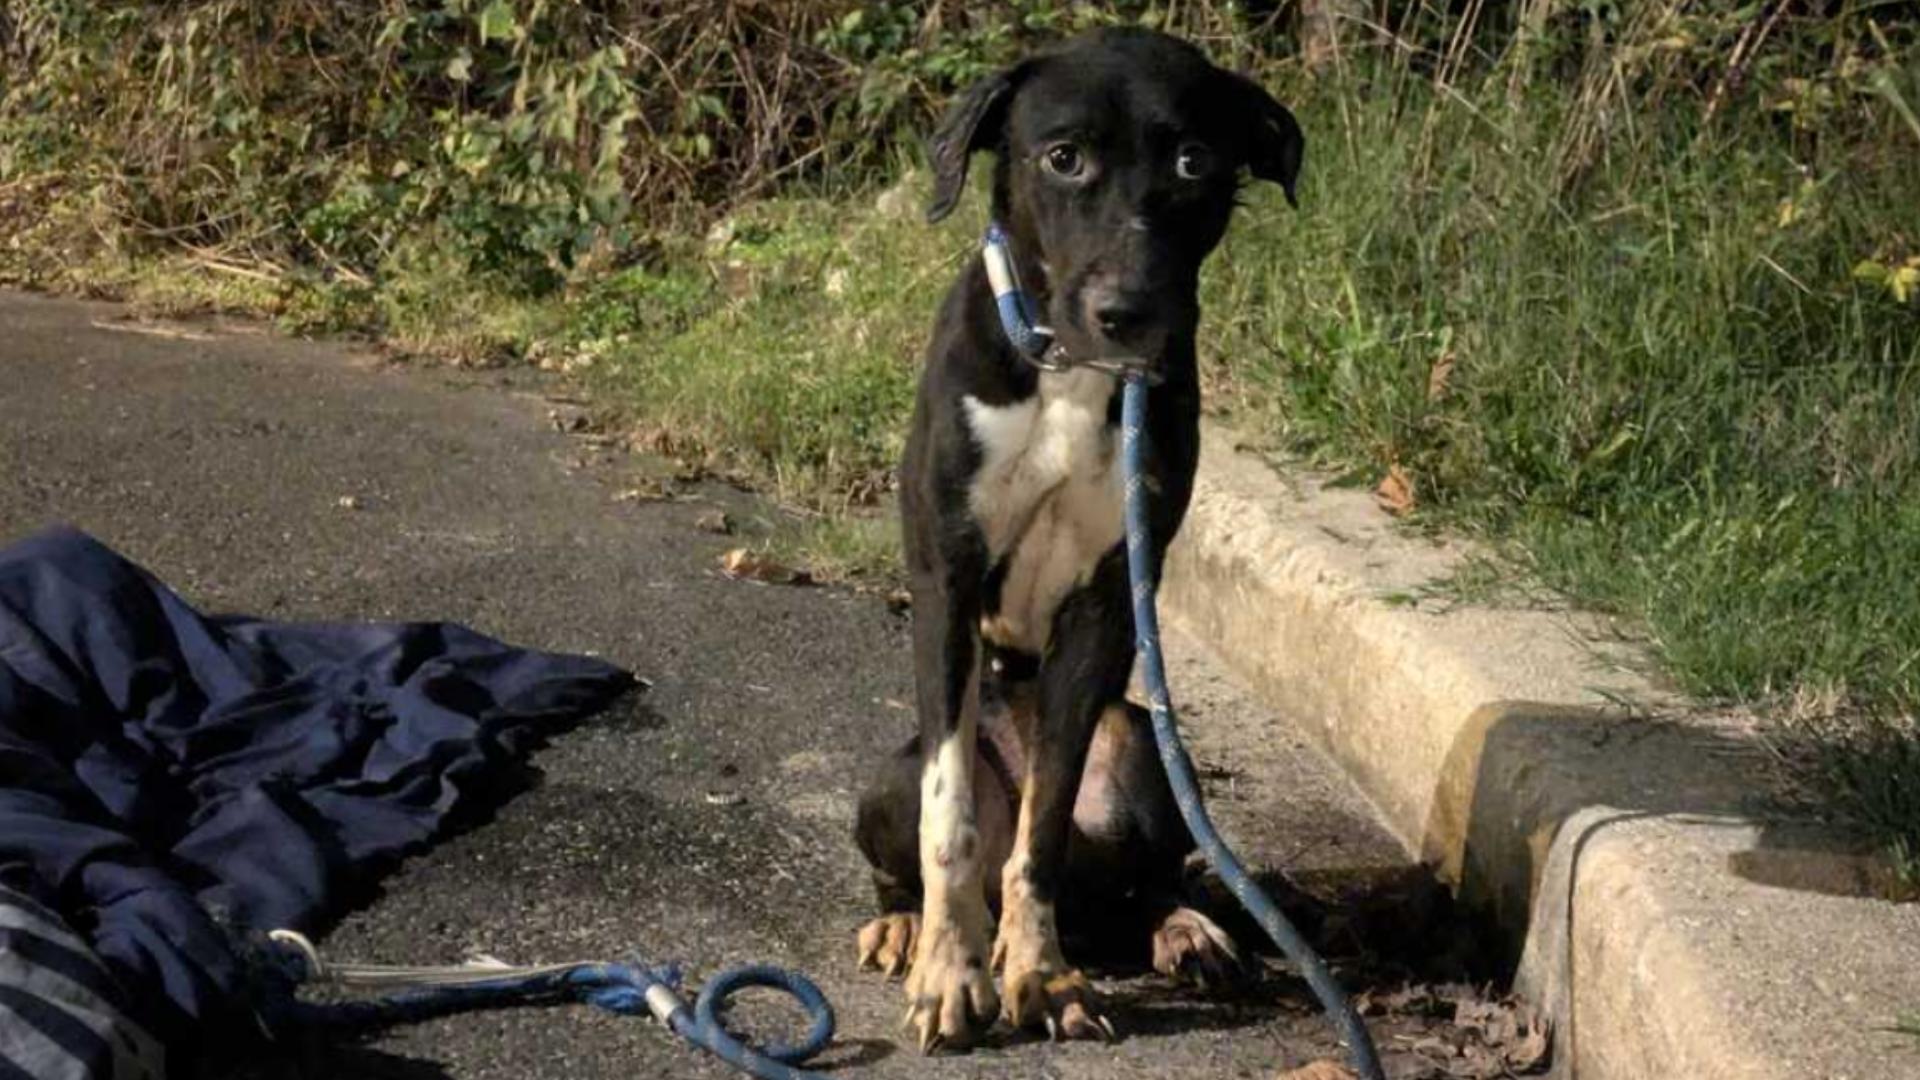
(1395, 493)
(742, 564)
(1439, 376)
(1485, 1037)
(1319, 1070)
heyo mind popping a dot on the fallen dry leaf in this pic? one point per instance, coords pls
(1395, 493)
(649, 490)
(1412, 999)
(1493, 1020)
(1518, 1029)
(1319, 1070)
(1439, 375)
(1436, 1046)
(1532, 1051)
(715, 521)
(744, 565)
(567, 421)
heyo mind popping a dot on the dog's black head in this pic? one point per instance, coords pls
(1119, 158)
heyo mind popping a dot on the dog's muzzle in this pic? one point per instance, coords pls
(1034, 341)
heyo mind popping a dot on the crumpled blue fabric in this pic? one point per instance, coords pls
(167, 778)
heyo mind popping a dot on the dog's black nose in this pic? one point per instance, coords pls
(1120, 316)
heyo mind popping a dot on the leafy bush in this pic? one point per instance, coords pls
(523, 139)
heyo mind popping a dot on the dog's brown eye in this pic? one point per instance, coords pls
(1194, 163)
(1064, 160)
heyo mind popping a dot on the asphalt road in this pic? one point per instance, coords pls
(706, 821)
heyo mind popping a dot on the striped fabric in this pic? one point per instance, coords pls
(57, 1017)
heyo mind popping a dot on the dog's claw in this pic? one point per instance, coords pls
(1080, 1023)
(1063, 1003)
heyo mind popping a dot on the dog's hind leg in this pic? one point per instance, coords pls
(887, 829)
(1084, 673)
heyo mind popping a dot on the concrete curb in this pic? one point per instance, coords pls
(1669, 932)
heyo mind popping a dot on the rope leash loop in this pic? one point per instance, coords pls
(713, 1001)
(623, 989)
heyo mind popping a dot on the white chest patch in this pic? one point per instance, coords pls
(1048, 497)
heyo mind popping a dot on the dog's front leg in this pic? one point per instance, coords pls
(1084, 672)
(950, 996)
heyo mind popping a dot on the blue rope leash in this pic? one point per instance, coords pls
(623, 989)
(1035, 342)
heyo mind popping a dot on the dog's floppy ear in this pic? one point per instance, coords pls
(1275, 145)
(973, 122)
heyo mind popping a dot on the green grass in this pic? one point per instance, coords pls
(1638, 394)
(1666, 394)
(1908, 1025)
(799, 363)
(859, 548)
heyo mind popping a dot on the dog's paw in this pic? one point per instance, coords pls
(950, 996)
(1062, 1001)
(1189, 947)
(886, 944)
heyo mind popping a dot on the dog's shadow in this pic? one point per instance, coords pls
(1375, 929)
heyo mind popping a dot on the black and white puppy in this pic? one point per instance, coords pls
(1032, 783)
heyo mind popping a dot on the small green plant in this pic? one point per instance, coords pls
(1908, 1025)
(861, 549)
(1904, 852)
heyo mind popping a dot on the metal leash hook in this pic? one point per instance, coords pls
(1036, 343)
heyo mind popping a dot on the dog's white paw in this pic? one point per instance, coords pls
(950, 995)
